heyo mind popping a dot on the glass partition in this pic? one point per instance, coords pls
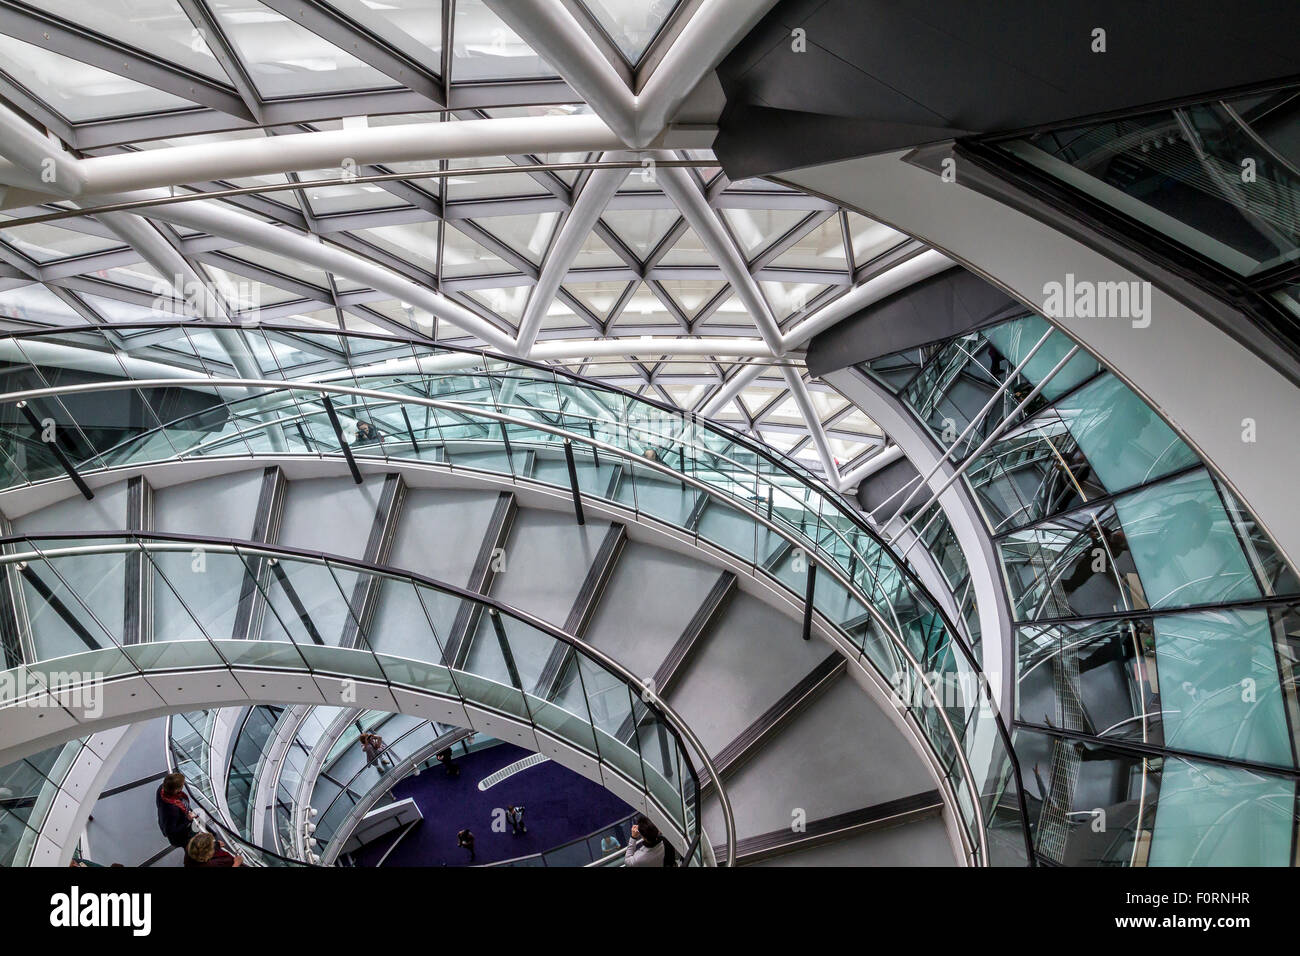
(467, 411)
(1149, 608)
(407, 651)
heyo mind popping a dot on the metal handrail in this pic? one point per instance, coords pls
(830, 565)
(183, 542)
(789, 466)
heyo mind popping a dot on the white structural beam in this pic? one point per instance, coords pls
(557, 36)
(188, 285)
(901, 276)
(886, 456)
(591, 202)
(192, 289)
(680, 187)
(710, 34)
(799, 392)
(639, 118)
(26, 146)
(732, 388)
(650, 347)
(35, 162)
(331, 149)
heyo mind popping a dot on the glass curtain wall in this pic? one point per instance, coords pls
(1155, 623)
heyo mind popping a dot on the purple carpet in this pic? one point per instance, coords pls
(560, 806)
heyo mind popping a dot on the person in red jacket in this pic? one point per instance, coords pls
(175, 818)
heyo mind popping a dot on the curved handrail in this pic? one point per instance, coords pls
(816, 551)
(150, 543)
(789, 469)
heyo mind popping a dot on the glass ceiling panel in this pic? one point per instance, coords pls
(243, 294)
(595, 254)
(640, 229)
(691, 295)
(489, 186)
(644, 308)
(688, 251)
(822, 248)
(159, 27)
(281, 264)
(560, 315)
(508, 303)
(871, 238)
(756, 229)
(528, 235)
(415, 242)
(139, 276)
(35, 303)
(421, 20)
(331, 200)
(484, 48)
(78, 91)
(462, 256)
(631, 24)
(598, 297)
(42, 242)
(285, 59)
(790, 298)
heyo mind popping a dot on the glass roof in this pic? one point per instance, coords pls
(239, 71)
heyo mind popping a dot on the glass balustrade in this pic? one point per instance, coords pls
(464, 410)
(72, 588)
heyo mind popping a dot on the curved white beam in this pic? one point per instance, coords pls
(922, 266)
(733, 387)
(557, 36)
(193, 289)
(709, 35)
(238, 158)
(639, 118)
(38, 163)
(885, 456)
(210, 217)
(799, 392)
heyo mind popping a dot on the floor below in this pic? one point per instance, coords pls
(560, 805)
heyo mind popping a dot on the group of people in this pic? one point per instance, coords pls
(181, 826)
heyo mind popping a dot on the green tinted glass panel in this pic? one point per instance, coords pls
(1124, 440)
(1183, 544)
(1219, 686)
(1221, 816)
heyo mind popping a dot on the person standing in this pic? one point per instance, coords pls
(465, 840)
(175, 818)
(516, 817)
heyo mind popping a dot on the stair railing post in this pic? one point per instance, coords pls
(573, 481)
(808, 601)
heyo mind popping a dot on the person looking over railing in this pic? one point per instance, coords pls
(646, 847)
